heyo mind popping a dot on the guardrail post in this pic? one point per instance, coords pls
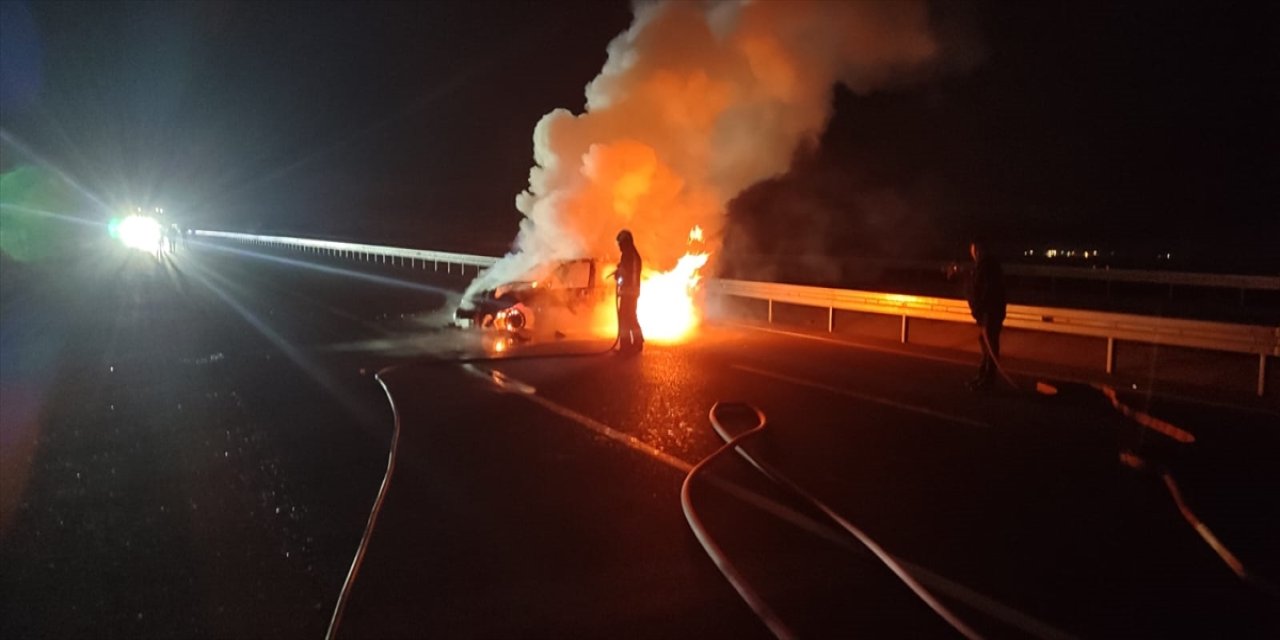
(1111, 355)
(831, 319)
(437, 264)
(906, 328)
(770, 311)
(1262, 374)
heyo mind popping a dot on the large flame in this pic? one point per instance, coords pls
(668, 309)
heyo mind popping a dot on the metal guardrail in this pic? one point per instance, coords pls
(1262, 341)
(365, 251)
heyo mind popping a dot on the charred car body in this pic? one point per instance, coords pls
(570, 288)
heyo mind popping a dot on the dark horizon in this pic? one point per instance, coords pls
(1137, 128)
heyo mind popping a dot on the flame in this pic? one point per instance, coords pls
(667, 310)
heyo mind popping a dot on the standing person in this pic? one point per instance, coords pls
(985, 292)
(630, 338)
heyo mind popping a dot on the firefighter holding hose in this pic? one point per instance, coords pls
(984, 288)
(627, 277)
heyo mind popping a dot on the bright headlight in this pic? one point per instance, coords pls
(140, 232)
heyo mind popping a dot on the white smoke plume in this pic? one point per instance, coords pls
(696, 102)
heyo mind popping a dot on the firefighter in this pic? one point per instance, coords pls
(627, 277)
(985, 292)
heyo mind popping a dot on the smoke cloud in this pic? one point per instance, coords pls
(697, 102)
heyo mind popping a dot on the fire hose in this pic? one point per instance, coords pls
(1138, 463)
(1135, 462)
(991, 353)
(731, 573)
(344, 594)
(1041, 387)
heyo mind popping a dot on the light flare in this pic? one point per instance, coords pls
(140, 232)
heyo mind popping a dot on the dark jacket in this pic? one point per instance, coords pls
(628, 273)
(986, 290)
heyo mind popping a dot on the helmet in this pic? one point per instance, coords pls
(624, 237)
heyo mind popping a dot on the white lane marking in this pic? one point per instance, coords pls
(863, 396)
(500, 379)
(977, 600)
(529, 392)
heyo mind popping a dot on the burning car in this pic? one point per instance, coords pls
(568, 289)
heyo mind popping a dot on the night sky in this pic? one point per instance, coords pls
(1151, 126)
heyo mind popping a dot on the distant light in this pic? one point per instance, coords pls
(1052, 253)
(139, 232)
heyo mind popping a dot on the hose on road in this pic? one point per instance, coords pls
(730, 572)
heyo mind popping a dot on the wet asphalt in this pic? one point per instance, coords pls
(189, 450)
(203, 439)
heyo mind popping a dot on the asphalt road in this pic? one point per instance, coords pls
(189, 447)
(202, 444)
